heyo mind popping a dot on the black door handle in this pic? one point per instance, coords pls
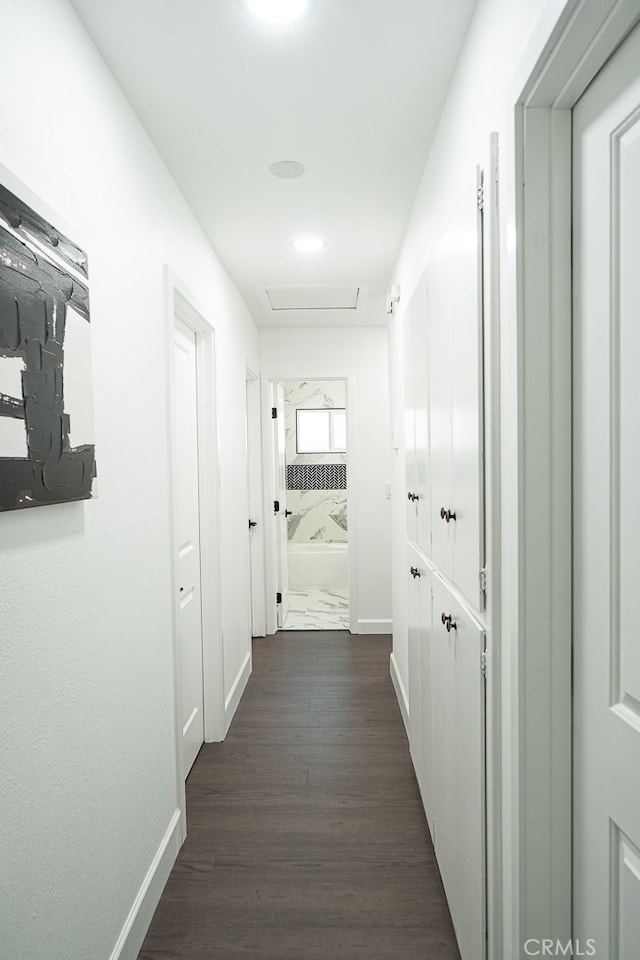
(253, 523)
(288, 513)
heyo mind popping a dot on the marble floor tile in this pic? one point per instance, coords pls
(317, 610)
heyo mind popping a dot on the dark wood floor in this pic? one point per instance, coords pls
(307, 839)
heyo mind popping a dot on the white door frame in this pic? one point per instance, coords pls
(556, 72)
(256, 506)
(180, 304)
(270, 495)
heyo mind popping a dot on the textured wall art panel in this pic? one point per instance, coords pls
(317, 476)
(47, 453)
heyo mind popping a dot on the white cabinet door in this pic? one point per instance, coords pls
(606, 345)
(459, 766)
(420, 694)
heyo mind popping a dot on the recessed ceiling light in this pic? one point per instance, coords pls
(286, 169)
(307, 244)
(277, 11)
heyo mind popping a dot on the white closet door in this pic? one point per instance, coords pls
(424, 612)
(421, 407)
(415, 573)
(439, 391)
(459, 767)
(466, 396)
(606, 517)
(411, 482)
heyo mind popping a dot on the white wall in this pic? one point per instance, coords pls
(504, 41)
(86, 702)
(360, 355)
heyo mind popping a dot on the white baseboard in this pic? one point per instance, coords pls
(137, 923)
(401, 693)
(375, 626)
(235, 694)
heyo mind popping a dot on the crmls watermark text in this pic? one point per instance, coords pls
(556, 948)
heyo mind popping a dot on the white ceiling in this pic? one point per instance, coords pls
(353, 91)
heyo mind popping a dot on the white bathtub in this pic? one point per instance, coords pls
(320, 566)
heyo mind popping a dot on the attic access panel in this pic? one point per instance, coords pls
(47, 454)
(319, 297)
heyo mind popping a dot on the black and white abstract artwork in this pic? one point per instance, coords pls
(47, 451)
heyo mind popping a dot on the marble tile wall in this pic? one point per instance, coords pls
(317, 515)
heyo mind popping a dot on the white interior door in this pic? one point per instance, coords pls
(282, 538)
(254, 488)
(187, 539)
(606, 517)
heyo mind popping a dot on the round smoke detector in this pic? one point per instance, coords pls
(286, 169)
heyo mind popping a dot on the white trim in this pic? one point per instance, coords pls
(545, 526)
(401, 693)
(560, 64)
(139, 919)
(493, 532)
(235, 694)
(374, 626)
(352, 502)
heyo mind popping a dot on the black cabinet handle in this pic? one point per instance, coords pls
(413, 497)
(448, 622)
(288, 513)
(415, 572)
(447, 515)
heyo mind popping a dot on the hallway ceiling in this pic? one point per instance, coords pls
(353, 91)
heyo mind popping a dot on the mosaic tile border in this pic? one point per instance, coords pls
(317, 476)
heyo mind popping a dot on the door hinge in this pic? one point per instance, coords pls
(278, 597)
(480, 197)
(393, 298)
(276, 506)
(274, 413)
(483, 663)
(483, 579)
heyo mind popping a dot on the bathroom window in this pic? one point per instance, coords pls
(321, 431)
